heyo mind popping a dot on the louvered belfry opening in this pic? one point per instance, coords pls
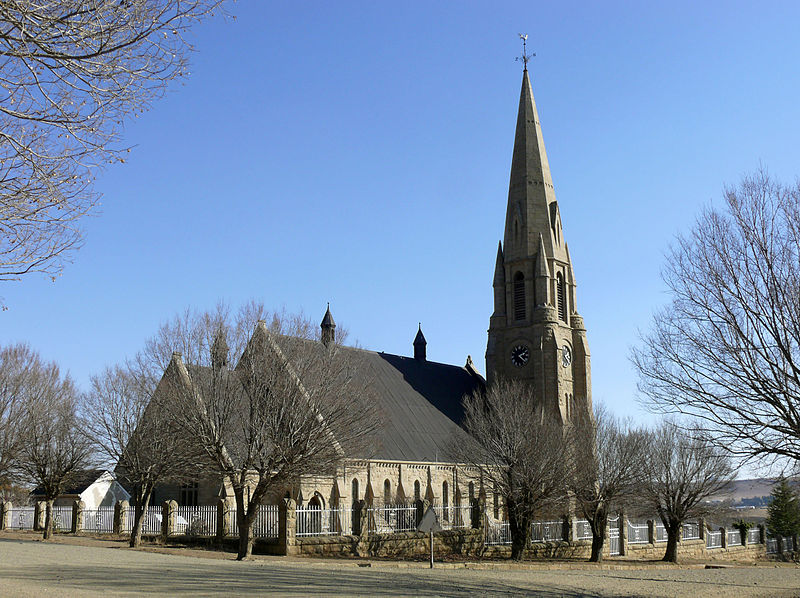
(519, 296)
(562, 302)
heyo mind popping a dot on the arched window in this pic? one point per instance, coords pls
(416, 491)
(387, 492)
(519, 296)
(445, 501)
(471, 489)
(496, 502)
(355, 490)
(562, 300)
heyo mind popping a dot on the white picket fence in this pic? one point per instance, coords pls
(498, 533)
(99, 521)
(62, 519)
(151, 521)
(638, 533)
(713, 539)
(547, 531)
(583, 531)
(753, 536)
(389, 519)
(22, 518)
(691, 531)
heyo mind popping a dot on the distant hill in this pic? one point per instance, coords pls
(754, 492)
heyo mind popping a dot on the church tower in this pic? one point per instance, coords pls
(535, 332)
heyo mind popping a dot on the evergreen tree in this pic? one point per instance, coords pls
(783, 512)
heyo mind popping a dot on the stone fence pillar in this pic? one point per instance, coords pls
(5, 514)
(168, 512)
(78, 507)
(762, 533)
(567, 528)
(480, 515)
(287, 526)
(724, 535)
(121, 516)
(39, 515)
(623, 533)
(223, 519)
(362, 546)
(702, 524)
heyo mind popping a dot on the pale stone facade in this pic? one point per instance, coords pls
(535, 332)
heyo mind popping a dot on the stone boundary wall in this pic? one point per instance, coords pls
(469, 542)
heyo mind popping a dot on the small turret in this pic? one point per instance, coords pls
(420, 345)
(219, 350)
(328, 327)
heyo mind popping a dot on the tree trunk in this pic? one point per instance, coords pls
(138, 518)
(671, 556)
(48, 519)
(520, 528)
(599, 524)
(244, 522)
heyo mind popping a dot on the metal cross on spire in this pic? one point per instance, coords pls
(525, 56)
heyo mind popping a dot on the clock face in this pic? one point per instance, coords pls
(566, 356)
(520, 355)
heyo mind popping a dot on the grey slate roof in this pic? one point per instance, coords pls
(419, 403)
(80, 482)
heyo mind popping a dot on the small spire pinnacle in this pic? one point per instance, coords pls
(328, 327)
(420, 345)
(525, 56)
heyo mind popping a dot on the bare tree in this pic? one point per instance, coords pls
(605, 463)
(141, 445)
(290, 407)
(15, 371)
(71, 73)
(518, 451)
(681, 471)
(53, 447)
(727, 348)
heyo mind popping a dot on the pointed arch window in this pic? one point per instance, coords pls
(519, 296)
(355, 490)
(562, 299)
(417, 495)
(445, 502)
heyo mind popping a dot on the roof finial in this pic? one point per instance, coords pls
(525, 56)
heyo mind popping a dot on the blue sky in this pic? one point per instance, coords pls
(359, 153)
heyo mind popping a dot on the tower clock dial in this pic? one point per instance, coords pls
(520, 355)
(566, 356)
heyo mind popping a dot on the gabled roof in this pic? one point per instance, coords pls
(80, 482)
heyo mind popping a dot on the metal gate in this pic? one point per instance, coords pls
(613, 537)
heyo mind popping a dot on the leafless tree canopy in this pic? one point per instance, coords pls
(16, 369)
(264, 408)
(605, 463)
(141, 445)
(71, 73)
(53, 447)
(681, 471)
(727, 348)
(518, 451)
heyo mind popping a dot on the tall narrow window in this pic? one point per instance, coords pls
(355, 490)
(445, 502)
(519, 296)
(562, 300)
(417, 495)
(189, 494)
(387, 492)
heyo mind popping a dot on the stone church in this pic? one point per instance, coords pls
(535, 334)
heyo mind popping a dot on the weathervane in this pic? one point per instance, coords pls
(525, 56)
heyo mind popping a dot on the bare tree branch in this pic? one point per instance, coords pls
(71, 73)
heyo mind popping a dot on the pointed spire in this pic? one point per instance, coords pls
(219, 350)
(328, 327)
(530, 190)
(499, 268)
(420, 345)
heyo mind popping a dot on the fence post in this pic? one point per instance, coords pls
(39, 513)
(567, 529)
(724, 535)
(287, 526)
(5, 514)
(120, 516)
(168, 510)
(223, 522)
(362, 546)
(623, 533)
(77, 516)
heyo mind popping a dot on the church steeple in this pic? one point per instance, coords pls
(535, 333)
(532, 209)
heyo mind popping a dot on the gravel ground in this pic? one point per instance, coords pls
(85, 567)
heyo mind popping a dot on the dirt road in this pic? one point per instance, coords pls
(33, 568)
